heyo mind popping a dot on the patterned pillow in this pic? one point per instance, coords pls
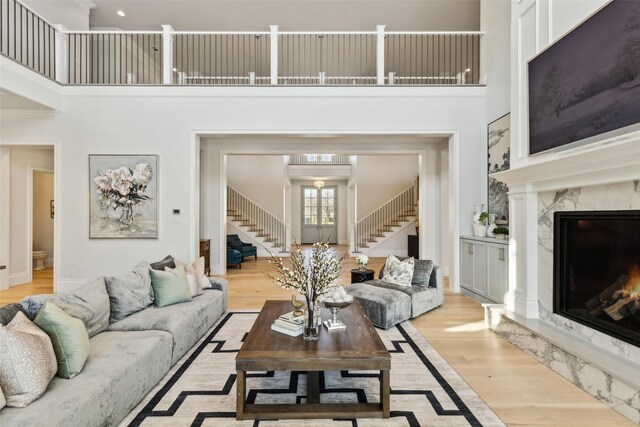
(27, 361)
(398, 272)
(196, 268)
(8, 312)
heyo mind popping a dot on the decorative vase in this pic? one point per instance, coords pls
(479, 209)
(311, 321)
(479, 230)
(362, 267)
(501, 236)
(492, 225)
(126, 215)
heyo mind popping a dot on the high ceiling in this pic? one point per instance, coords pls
(302, 15)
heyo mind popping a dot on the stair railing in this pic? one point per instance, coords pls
(257, 219)
(385, 217)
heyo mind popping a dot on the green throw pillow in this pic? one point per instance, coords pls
(170, 287)
(69, 338)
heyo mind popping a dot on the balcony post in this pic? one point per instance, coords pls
(167, 54)
(274, 54)
(380, 55)
(61, 54)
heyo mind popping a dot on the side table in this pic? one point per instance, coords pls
(358, 276)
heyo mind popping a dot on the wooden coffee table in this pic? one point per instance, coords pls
(358, 347)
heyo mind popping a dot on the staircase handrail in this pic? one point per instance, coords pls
(263, 209)
(388, 202)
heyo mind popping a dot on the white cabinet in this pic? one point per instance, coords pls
(484, 267)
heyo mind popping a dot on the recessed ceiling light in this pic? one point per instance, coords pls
(120, 13)
(175, 69)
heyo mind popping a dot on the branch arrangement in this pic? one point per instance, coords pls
(312, 274)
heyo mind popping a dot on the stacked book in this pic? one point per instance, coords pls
(289, 324)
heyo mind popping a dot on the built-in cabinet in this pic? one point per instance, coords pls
(484, 267)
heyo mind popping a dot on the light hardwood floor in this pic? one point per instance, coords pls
(520, 390)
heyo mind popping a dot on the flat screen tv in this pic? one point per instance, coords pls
(586, 86)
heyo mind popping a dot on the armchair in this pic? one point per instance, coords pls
(234, 257)
(245, 249)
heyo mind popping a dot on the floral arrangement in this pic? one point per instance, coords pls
(362, 260)
(124, 188)
(310, 274)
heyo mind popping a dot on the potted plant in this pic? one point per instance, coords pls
(479, 227)
(501, 232)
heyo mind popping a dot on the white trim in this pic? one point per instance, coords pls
(16, 279)
(29, 113)
(194, 196)
(30, 171)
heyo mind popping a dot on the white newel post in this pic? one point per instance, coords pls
(380, 55)
(274, 54)
(167, 54)
(62, 54)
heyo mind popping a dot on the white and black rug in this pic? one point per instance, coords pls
(200, 389)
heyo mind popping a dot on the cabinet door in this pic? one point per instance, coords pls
(497, 272)
(480, 268)
(466, 264)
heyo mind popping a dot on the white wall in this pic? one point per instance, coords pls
(296, 210)
(495, 21)
(162, 121)
(42, 222)
(73, 14)
(381, 178)
(261, 179)
(22, 162)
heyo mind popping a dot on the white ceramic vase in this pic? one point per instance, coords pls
(492, 225)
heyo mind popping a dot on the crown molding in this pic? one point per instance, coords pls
(29, 113)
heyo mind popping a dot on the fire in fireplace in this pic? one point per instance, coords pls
(597, 270)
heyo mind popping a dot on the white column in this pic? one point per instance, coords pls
(167, 54)
(274, 54)
(62, 54)
(5, 226)
(380, 55)
(522, 297)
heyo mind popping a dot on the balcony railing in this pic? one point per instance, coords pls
(271, 57)
(319, 159)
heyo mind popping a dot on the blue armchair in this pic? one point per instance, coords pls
(245, 249)
(234, 258)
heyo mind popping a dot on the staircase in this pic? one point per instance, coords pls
(262, 226)
(380, 224)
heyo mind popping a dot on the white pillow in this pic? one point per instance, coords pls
(3, 401)
(197, 269)
(398, 272)
(194, 287)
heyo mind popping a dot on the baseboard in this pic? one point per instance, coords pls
(19, 278)
(343, 242)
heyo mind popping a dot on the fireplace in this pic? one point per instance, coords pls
(597, 271)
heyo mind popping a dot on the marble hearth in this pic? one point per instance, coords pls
(601, 177)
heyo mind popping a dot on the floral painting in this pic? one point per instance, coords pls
(123, 196)
(499, 142)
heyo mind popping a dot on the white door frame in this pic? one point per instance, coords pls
(219, 183)
(319, 207)
(5, 210)
(31, 171)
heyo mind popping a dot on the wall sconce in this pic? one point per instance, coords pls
(318, 183)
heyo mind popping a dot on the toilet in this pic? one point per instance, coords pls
(38, 258)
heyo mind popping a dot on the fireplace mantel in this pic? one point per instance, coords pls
(603, 163)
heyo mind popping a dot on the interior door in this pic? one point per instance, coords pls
(319, 214)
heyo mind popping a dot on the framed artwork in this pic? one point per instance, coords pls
(123, 196)
(499, 144)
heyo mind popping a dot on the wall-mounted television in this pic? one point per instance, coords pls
(586, 86)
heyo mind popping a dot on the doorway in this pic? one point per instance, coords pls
(319, 219)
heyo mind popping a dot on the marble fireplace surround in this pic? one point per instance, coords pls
(604, 176)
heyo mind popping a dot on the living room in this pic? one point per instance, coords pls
(181, 128)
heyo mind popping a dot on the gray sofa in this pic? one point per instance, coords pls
(125, 362)
(388, 304)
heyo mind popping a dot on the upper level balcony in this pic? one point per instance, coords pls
(272, 57)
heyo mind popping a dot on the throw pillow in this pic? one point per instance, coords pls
(194, 287)
(398, 272)
(170, 287)
(129, 293)
(167, 261)
(8, 312)
(27, 361)
(89, 303)
(197, 269)
(422, 272)
(69, 338)
(3, 401)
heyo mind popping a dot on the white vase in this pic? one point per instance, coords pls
(479, 230)
(479, 209)
(501, 236)
(492, 225)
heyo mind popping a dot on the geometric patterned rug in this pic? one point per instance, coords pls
(200, 389)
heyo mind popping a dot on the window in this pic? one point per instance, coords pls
(310, 206)
(328, 208)
(311, 157)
